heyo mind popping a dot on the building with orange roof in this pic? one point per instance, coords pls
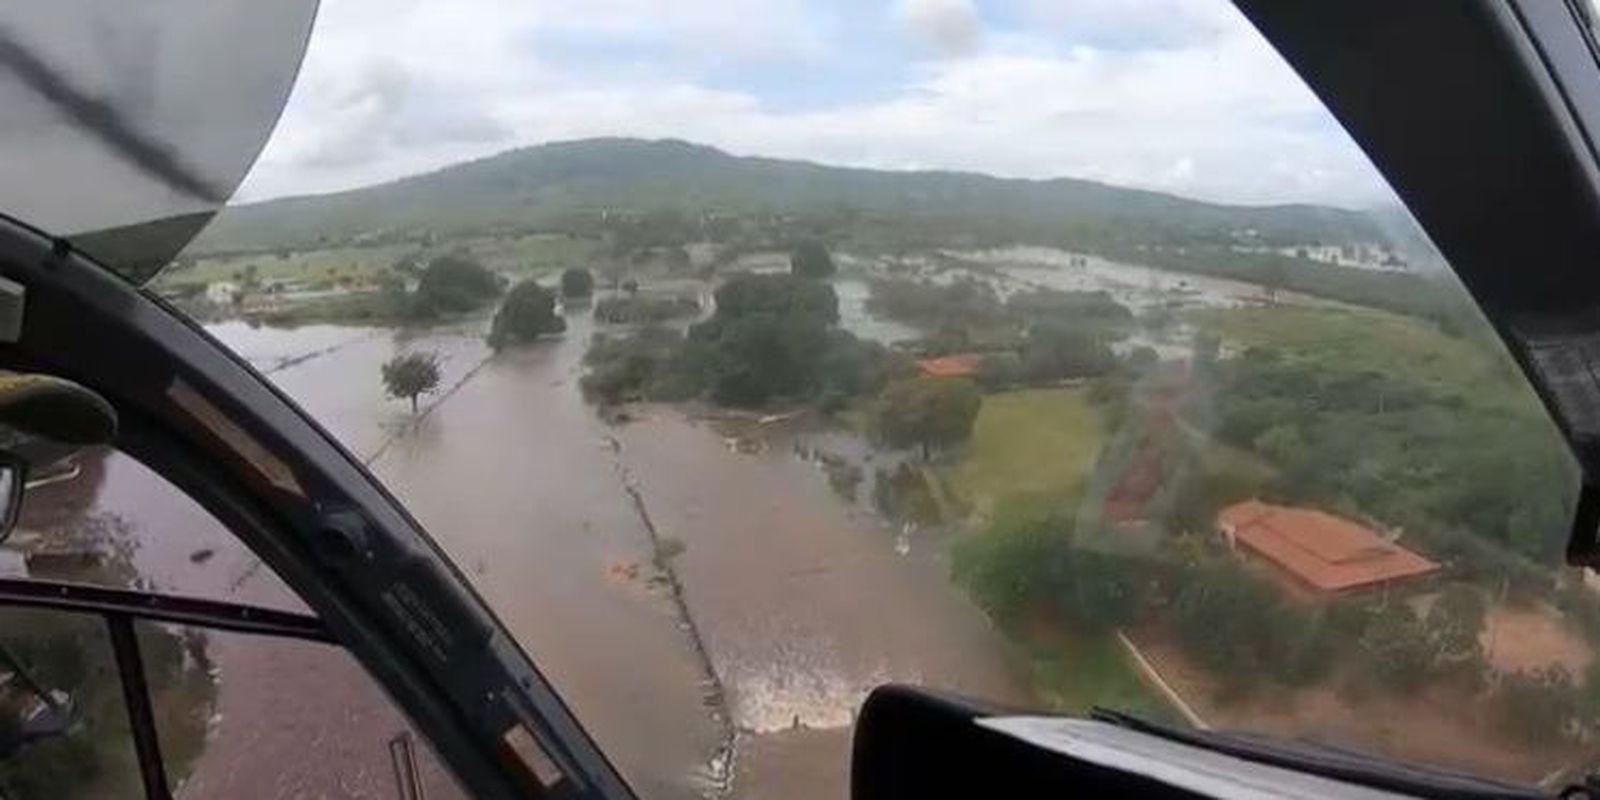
(1318, 550)
(960, 365)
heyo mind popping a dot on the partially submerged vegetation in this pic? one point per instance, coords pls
(645, 309)
(773, 337)
(1410, 420)
(410, 375)
(528, 312)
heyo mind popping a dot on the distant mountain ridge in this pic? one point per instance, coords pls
(538, 185)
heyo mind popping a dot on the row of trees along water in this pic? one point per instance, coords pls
(1352, 429)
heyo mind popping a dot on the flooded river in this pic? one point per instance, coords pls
(714, 616)
(791, 603)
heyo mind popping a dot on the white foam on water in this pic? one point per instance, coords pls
(806, 689)
(777, 698)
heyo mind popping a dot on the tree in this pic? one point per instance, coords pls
(1283, 444)
(1009, 569)
(809, 259)
(1101, 591)
(635, 365)
(1398, 645)
(1222, 615)
(411, 374)
(392, 293)
(770, 336)
(1054, 352)
(453, 284)
(576, 282)
(1272, 279)
(926, 412)
(251, 280)
(528, 312)
(1000, 370)
(409, 264)
(1453, 624)
(1538, 706)
(755, 357)
(746, 294)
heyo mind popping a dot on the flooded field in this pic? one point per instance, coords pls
(793, 603)
(714, 616)
(802, 600)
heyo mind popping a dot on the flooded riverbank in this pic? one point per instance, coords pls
(804, 603)
(714, 616)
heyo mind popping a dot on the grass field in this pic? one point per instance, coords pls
(1029, 442)
(300, 265)
(532, 254)
(1073, 674)
(1365, 338)
(535, 254)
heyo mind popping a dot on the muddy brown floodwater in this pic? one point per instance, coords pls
(802, 600)
(737, 673)
(517, 480)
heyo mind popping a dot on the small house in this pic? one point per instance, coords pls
(1317, 550)
(960, 365)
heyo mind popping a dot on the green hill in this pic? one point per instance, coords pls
(556, 186)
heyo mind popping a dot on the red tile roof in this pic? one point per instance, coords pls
(960, 365)
(1327, 552)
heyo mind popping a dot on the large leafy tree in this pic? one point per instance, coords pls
(1454, 622)
(577, 282)
(770, 336)
(929, 413)
(529, 311)
(1064, 350)
(408, 375)
(809, 259)
(782, 295)
(453, 284)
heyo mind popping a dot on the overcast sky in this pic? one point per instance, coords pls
(1180, 95)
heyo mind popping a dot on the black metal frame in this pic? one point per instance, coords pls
(109, 602)
(202, 418)
(1484, 115)
(17, 467)
(120, 608)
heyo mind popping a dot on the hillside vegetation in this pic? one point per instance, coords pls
(560, 185)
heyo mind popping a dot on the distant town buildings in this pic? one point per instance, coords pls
(1317, 550)
(1360, 255)
(222, 293)
(959, 365)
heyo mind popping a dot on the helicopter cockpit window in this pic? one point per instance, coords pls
(233, 713)
(1060, 358)
(123, 605)
(63, 727)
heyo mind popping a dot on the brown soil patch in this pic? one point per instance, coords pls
(622, 571)
(1443, 726)
(1524, 639)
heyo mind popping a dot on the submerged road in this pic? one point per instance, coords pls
(731, 668)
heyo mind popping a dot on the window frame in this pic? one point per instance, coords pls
(1490, 136)
(119, 609)
(312, 512)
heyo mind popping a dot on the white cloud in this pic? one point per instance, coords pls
(1215, 114)
(1134, 24)
(944, 27)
